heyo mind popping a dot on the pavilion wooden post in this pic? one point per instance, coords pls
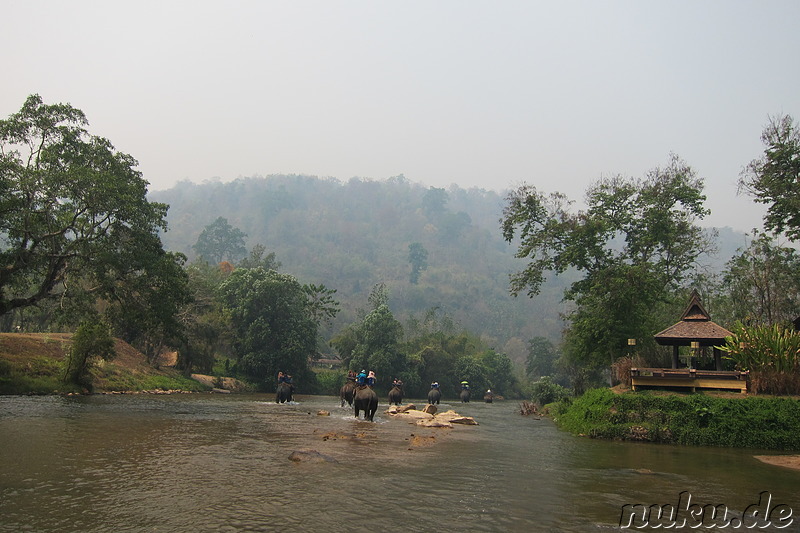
(693, 356)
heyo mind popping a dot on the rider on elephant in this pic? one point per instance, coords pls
(285, 377)
(361, 379)
(435, 385)
(371, 378)
(465, 385)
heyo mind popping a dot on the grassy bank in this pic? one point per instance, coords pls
(34, 364)
(694, 419)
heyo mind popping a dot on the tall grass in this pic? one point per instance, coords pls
(770, 353)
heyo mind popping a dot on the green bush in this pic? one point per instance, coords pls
(329, 381)
(545, 391)
(696, 419)
(91, 342)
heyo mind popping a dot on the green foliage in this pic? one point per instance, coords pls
(91, 343)
(76, 223)
(39, 375)
(329, 381)
(115, 379)
(258, 259)
(772, 179)
(634, 245)
(762, 282)
(219, 240)
(770, 353)
(698, 420)
(541, 357)
(322, 306)
(275, 329)
(377, 345)
(26, 384)
(544, 391)
(418, 257)
(146, 310)
(206, 321)
(761, 347)
(435, 351)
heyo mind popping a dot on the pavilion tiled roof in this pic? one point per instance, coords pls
(695, 325)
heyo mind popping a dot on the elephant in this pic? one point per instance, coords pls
(365, 400)
(434, 395)
(346, 392)
(465, 394)
(396, 395)
(284, 393)
(488, 397)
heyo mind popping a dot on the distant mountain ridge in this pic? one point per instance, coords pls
(351, 235)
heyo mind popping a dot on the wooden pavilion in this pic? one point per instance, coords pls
(698, 331)
(695, 326)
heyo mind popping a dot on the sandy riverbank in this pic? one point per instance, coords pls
(786, 461)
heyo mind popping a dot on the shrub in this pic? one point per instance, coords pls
(545, 391)
(91, 341)
(329, 381)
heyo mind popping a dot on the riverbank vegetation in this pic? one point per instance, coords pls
(38, 363)
(689, 419)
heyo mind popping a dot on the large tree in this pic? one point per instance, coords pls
(763, 283)
(541, 358)
(275, 322)
(774, 178)
(74, 218)
(219, 240)
(634, 244)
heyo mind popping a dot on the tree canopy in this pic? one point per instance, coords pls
(634, 244)
(762, 283)
(274, 321)
(773, 178)
(219, 240)
(75, 221)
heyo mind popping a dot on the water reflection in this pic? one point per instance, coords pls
(208, 462)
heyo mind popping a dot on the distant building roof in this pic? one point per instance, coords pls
(695, 325)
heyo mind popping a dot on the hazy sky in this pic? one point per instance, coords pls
(479, 93)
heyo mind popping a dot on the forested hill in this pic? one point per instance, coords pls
(351, 235)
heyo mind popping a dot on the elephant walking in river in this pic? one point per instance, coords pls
(365, 400)
(434, 395)
(465, 394)
(346, 392)
(283, 393)
(396, 395)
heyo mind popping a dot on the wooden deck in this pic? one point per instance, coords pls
(689, 378)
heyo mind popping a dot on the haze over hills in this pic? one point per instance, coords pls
(351, 235)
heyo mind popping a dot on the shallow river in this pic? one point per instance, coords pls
(204, 462)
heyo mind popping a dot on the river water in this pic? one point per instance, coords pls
(205, 462)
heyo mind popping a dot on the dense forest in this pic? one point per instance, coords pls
(353, 235)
